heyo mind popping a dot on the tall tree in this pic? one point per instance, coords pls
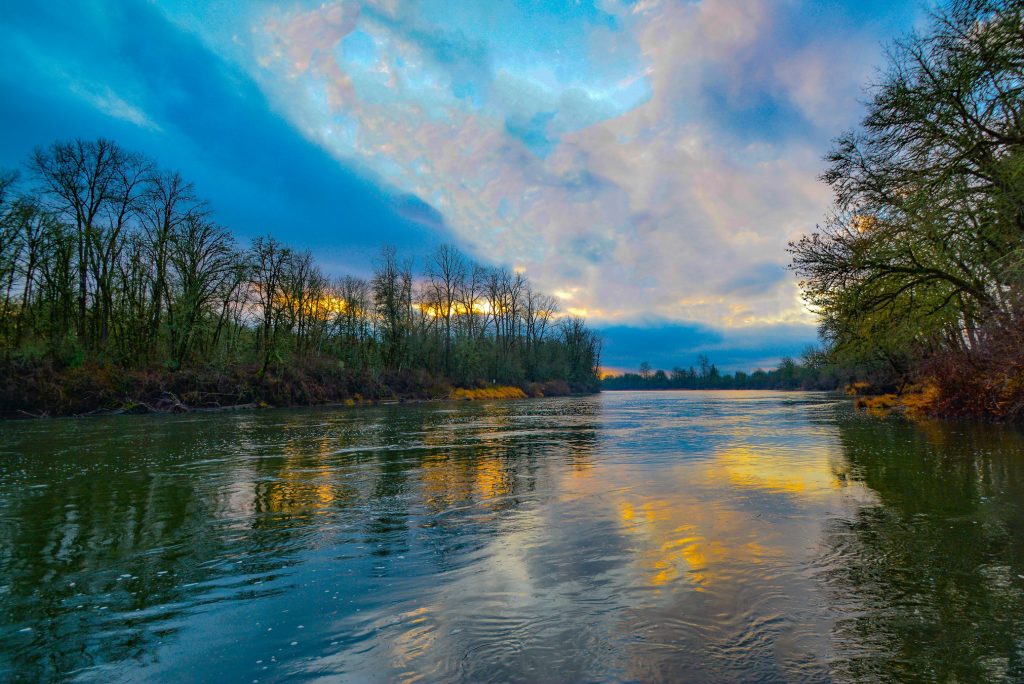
(926, 240)
(202, 261)
(170, 202)
(392, 295)
(78, 179)
(268, 263)
(446, 274)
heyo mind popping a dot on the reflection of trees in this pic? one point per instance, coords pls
(103, 549)
(160, 517)
(487, 462)
(407, 476)
(930, 579)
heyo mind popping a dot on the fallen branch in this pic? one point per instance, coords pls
(234, 407)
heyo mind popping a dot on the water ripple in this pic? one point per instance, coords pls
(660, 536)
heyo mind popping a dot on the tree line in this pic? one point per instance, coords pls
(811, 372)
(106, 257)
(917, 273)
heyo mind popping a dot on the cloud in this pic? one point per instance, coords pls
(415, 209)
(158, 89)
(103, 98)
(650, 158)
(757, 278)
(648, 161)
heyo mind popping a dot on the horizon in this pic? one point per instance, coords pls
(647, 178)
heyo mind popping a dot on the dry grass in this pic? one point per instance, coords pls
(857, 389)
(915, 401)
(488, 393)
(878, 405)
(921, 401)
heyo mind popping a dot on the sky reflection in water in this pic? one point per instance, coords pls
(629, 536)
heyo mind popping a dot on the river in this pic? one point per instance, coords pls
(628, 536)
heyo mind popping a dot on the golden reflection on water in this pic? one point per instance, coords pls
(300, 488)
(712, 535)
(677, 531)
(448, 481)
(445, 483)
(774, 472)
(689, 528)
(419, 635)
(492, 480)
(684, 529)
(685, 539)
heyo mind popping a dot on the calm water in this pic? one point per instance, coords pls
(701, 536)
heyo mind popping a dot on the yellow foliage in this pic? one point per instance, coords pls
(864, 223)
(881, 404)
(916, 401)
(857, 388)
(488, 393)
(921, 401)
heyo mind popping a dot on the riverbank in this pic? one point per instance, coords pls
(957, 394)
(43, 390)
(940, 400)
(913, 401)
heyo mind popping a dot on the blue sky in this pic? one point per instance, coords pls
(645, 161)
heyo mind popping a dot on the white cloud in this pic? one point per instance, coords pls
(103, 98)
(658, 199)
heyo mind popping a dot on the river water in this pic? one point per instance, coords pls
(630, 536)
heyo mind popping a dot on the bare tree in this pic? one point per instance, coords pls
(201, 258)
(392, 295)
(78, 179)
(446, 275)
(169, 203)
(268, 261)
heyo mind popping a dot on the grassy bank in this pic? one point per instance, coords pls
(986, 398)
(913, 401)
(41, 389)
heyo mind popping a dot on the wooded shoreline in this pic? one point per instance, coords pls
(119, 292)
(97, 389)
(917, 274)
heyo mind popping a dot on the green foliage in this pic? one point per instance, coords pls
(924, 247)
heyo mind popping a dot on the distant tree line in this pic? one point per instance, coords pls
(918, 273)
(812, 372)
(106, 257)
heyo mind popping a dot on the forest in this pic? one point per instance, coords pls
(811, 372)
(917, 272)
(119, 291)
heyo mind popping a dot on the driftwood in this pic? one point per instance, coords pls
(168, 403)
(232, 407)
(102, 412)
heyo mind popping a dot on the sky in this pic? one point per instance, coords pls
(644, 161)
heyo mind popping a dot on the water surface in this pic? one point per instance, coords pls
(647, 536)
